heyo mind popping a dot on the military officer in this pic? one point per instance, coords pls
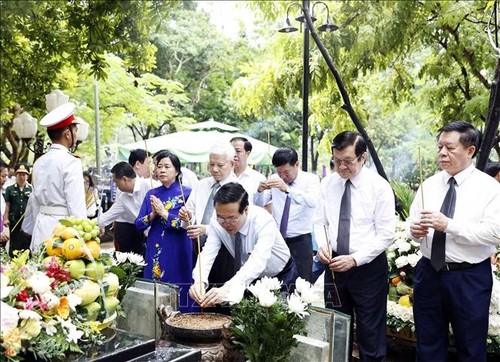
(58, 189)
(16, 199)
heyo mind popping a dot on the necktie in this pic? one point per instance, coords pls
(209, 208)
(344, 230)
(237, 252)
(439, 238)
(284, 217)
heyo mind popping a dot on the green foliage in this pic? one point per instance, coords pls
(265, 333)
(404, 194)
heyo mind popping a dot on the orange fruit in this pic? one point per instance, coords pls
(69, 233)
(58, 230)
(72, 248)
(95, 249)
(395, 280)
(53, 246)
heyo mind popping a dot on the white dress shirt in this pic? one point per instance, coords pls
(197, 201)
(189, 178)
(470, 233)
(127, 205)
(264, 252)
(373, 220)
(304, 192)
(250, 180)
(57, 182)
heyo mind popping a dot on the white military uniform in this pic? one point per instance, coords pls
(58, 188)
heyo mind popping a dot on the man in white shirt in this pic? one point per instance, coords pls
(199, 208)
(453, 279)
(126, 208)
(248, 177)
(356, 209)
(255, 244)
(294, 195)
(58, 189)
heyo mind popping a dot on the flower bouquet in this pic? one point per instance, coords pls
(58, 300)
(264, 324)
(402, 256)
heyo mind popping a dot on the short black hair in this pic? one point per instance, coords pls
(284, 156)
(349, 138)
(247, 145)
(469, 136)
(230, 193)
(173, 158)
(137, 155)
(123, 169)
(56, 134)
(492, 168)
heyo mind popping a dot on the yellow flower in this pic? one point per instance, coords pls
(94, 326)
(157, 271)
(12, 342)
(30, 328)
(168, 205)
(174, 223)
(62, 309)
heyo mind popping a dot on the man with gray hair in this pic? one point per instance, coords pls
(199, 209)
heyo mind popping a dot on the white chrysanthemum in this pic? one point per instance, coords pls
(391, 255)
(121, 257)
(401, 261)
(309, 296)
(414, 258)
(235, 294)
(29, 314)
(8, 317)
(257, 288)
(39, 282)
(396, 310)
(73, 301)
(51, 300)
(136, 259)
(271, 283)
(297, 306)
(302, 285)
(267, 298)
(403, 246)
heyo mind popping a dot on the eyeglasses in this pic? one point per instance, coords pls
(229, 220)
(346, 163)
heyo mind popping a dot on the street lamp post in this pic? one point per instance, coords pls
(288, 28)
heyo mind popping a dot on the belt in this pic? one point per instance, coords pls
(54, 210)
(456, 266)
(294, 239)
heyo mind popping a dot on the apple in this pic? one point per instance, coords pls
(89, 291)
(95, 270)
(92, 310)
(76, 268)
(110, 284)
(110, 304)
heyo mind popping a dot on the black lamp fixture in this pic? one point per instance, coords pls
(289, 28)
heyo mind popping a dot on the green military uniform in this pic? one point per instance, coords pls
(18, 199)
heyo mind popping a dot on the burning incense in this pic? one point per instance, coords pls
(421, 177)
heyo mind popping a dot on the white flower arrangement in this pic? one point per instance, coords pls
(264, 324)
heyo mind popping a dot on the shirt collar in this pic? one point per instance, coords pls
(461, 176)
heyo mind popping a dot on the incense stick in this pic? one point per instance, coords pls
(421, 177)
(198, 241)
(329, 249)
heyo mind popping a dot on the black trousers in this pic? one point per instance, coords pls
(302, 252)
(18, 240)
(128, 239)
(362, 292)
(459, 297)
